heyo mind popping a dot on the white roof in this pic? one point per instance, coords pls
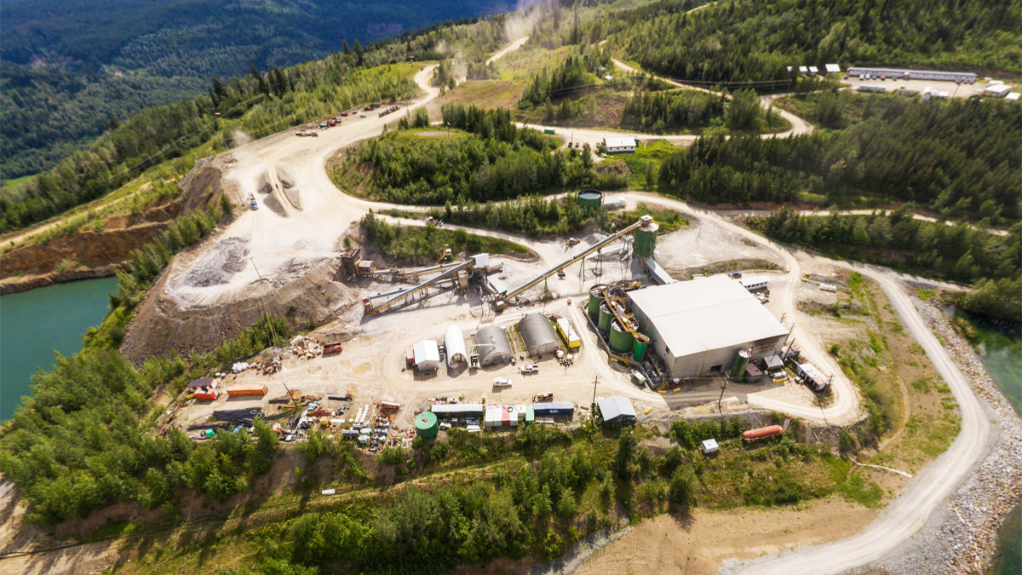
(833, 68)
(714, 313)
(426, 351)
(569, 331)
(814, 69)
(619, 142)
(803, 69)
(998, 88)
(616, 406)
(1012, 96)
(754, 280)
(613, 201)
(455, 343)
(709, 446)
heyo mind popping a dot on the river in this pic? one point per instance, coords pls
(36, 323)
(1000, 350)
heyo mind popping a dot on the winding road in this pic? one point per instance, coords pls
(274, 241)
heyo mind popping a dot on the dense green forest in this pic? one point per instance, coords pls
(741, 41)
(482, 157)
(959, 158)
(960, 253)
(68, 68)
(258, 105)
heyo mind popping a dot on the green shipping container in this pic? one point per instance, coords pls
(549, 131)
(530, 415)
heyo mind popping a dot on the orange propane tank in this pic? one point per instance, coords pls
(762, 433)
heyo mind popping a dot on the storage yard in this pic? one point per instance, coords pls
(489, 345)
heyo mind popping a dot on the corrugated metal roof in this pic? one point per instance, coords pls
(458, 408)
(492, 345)
(712, 313)
(538, 334)
(619, 142)
(455, 343)
(553, 405)
(615, 407)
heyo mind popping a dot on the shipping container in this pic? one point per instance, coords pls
(246, 389)
(554, 408)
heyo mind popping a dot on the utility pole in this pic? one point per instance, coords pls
(720, 410)
(595, 381)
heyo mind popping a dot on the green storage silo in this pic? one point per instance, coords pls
(595, 300)
(640, 349)
(620, 340)
(645, 239)
(591, 199)
(605, 317)
(741, 362)
(426, 425)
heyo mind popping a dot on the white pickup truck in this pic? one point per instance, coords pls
(529, 368)
(501, 382)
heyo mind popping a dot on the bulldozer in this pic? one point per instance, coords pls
(572, 242)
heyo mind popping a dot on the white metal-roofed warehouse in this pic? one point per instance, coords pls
(697, 327)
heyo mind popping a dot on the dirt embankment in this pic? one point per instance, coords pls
(93, 254)
(161, 326)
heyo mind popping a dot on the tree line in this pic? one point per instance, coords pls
(960, 253)
(958, 158)
(578, 71)
(756, 42)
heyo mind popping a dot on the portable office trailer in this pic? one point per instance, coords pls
(754, 282)
(459, 410)
(568, 333)
(811, 376)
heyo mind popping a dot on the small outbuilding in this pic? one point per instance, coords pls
(710, 446)
(538, 334)
(616, 145)
(616, 409)
(455, 344)
(427, 355)
(492, 345)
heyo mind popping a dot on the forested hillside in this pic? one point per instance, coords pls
(754, 41)
(959, 158)
(68, 67)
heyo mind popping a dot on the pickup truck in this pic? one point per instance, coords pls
(530, 368)
(501, 382)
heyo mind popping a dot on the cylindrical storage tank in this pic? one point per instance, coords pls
(595, 300)
(645, 239)
(620, 340)
(591, 199)
(605, 317)
(426, 425)
(741, 362)
(762, 432)
(640, 349)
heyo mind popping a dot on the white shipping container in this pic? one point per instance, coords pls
(828, 287)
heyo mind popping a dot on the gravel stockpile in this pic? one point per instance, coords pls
(221, 263)
(964, 538)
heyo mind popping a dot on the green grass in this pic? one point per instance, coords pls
(17, 183)
(926, 294)
(862, 491)
(647, 153)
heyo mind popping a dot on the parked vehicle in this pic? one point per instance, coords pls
(529, 368)
(501, 382)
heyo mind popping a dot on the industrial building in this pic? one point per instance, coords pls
(698, 327)
(538, 335)
(426, 355)
(454, 343)
(616, 145)
(616, 409)
(934, 75)
(492, 345)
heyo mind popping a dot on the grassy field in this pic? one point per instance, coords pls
(486, 94)
(646, 160)
(16, 183)
(523, 63)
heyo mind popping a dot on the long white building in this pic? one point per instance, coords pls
(697, 327)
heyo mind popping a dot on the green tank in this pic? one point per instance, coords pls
(595, 300)
(605, 317)
(591, 199)
(620, 340)
(640, 349)
(645, 239)
(741, 362)
(426, 425)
